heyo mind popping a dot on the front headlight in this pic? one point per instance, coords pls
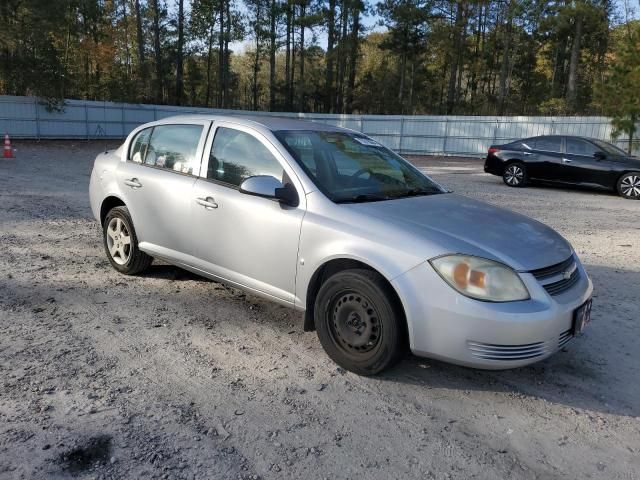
(480, 278)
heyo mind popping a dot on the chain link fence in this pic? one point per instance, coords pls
(26, 117)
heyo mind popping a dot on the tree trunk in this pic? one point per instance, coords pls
(506, 60)
(302, 20)
(353, 57)
(287, 64)
(209, 55)
(293, 57)
(220, 103)
(227, 58)
(158, 87)
(455, 55)
(125, 20)
(256, 58)
(272, 55)
(331, 24)
(403, 70)
(572, 92)
(142, 70)
(179, 61)
(344, 21)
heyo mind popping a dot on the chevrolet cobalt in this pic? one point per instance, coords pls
(378, 256)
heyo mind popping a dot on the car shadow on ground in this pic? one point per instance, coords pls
(595, 371)
(166, 271)
(586, 374)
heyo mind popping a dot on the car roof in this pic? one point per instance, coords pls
(270, 122)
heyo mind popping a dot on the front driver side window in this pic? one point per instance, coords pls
(580, 147)
(237, 155)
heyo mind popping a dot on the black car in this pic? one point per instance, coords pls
(566, 159)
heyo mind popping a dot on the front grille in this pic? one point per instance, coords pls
(554, 279)
(556, 269)
(490, 351)
(560, 286)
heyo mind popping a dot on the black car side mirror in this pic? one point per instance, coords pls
(599, 155)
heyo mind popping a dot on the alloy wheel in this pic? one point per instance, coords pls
(118, 241)
(630, 186)
(514, 175)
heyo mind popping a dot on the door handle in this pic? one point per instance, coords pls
(526, 154)
(133, 183)
(566, 160)
(208, 203)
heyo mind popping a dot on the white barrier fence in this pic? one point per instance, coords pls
(26, 117)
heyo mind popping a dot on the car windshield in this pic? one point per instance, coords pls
(608, 148)
(348, 167)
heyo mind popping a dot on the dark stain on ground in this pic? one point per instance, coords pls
(95, 450)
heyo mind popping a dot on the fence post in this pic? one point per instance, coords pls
(36, 106)
(446, 135)
(495, 131)
(123, 128)
(553, 127)
(86, 120)
(401, 135)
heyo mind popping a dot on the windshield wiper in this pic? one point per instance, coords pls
(363, 197)
(415, 192)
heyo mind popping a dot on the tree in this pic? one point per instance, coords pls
(620, 94)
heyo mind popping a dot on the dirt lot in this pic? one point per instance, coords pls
(168, 375)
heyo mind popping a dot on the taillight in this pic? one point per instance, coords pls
(493, 150)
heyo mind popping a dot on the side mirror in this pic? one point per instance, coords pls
(599, 155)
(270, 187)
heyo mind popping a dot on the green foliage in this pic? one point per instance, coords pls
(620, 93)
(478, 57)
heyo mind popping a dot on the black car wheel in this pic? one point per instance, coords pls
(121, 243)
(629, 185)
(515, 175)
(359, 321)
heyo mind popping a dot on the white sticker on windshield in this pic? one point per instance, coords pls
(366, 141)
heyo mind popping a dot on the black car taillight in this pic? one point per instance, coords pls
(493, 150)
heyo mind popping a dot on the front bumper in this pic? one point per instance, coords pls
(446, 325)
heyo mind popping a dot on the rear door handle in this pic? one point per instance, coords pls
(208, 203)
(526, 154)
(566, 160)
(133, 183)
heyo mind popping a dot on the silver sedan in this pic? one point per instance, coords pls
(378, 256)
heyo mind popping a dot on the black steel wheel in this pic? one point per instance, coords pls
(359, 321)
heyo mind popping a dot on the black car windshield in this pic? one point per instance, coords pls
(348, 167)
(608, 148)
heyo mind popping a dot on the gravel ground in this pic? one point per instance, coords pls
(169, 375)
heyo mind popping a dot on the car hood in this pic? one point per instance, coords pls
(456, 224)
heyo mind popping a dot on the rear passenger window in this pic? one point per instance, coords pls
(139, 145)
(580, 147)
(237, 155)
(174, 147)
(548, 144)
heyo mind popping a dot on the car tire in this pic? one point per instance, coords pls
(121, 243)
(629, 186)
(360, 322)
(515, 175)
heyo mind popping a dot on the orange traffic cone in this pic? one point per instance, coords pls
(8, 151)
